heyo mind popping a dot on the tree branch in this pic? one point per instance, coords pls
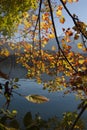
(81, 112)
(74, 21)
(51, 12)
(39, 26)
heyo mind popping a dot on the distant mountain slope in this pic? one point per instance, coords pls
(73, 44)
(48, 47)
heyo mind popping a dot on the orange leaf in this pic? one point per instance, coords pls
(70, 1)
(64, 1)
(62, 20)
(76, 37)
(60, 7)
(53, 48)
(51, 35)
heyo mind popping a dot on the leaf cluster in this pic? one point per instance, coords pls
(11, 13)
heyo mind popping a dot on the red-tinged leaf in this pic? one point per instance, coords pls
(76, 37)
(60, 7)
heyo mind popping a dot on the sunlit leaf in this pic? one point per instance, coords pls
(53, 48)
(60, 7)
(80, 45)
(75, 0)
(51, 35)
(36, 98)
(59, 13)
(70, 1)
(34, 17)
(81, 61)
(14, 112)
(62, 19)
(25, 14)
(9, 114)
(64, 1)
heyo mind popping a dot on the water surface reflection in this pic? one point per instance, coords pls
(57, 105)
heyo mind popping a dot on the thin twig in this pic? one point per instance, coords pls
(37, 22)
(40, 26)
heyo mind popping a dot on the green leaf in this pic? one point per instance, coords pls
(14, 124)
(27, 119)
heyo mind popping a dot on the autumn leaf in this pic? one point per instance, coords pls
(45, 16)
(59, 13)
(60, 7)
(53, 48)
(62, 19)
(75, 0)
(80, 45)
(64, 1)
(81, 61)
(36, 98)
(84, 49)
(67, 39)
(25, 14)
(70, 1)
(51, 35)
(70, 33)
(71, 54)
(76, 36)
(34, 17)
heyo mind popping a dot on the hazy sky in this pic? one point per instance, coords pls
(79, 8)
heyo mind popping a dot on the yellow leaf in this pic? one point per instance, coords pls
(59, 13)
(83, 68)
(80, 45)
(75, 0)
(81, 61)
(51, 35)
(64, 1)
(25, 14)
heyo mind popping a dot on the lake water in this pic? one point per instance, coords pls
(56, 106)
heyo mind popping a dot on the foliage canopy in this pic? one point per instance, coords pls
(11, 13)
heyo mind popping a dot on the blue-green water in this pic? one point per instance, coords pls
(57, 105)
